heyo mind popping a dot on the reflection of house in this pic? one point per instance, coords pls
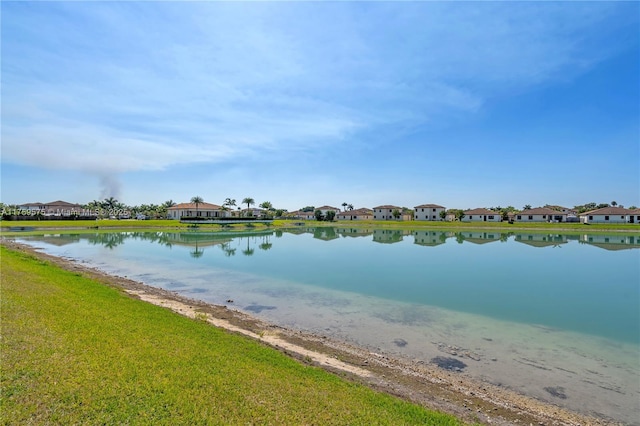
(185, 210)
(479, 237)
(481, 215)
(359, 214)
(608, 215)
(325, 234)
(541, 240)
(354, 232)
(612, 242)
(386, 213)
(195, 239)
(388, 236)
(428, 212)
(430, 238)
(54, 208)
(541, 214)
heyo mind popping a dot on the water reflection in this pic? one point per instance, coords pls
(230, 241)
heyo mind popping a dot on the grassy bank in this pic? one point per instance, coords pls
(8, 226)
(75, 351)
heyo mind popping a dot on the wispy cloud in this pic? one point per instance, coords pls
(117, 87)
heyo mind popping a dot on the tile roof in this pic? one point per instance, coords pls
(201, 206)
(480, 211)
(542, 211)
(430, 206)
(609, 211)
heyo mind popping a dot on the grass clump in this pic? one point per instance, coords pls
(75, 351)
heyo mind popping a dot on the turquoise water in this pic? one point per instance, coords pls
(586, 283)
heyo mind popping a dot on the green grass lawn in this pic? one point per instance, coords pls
(75, 351)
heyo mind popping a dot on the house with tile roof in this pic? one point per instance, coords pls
(428, 212)
(191, 210)
(481, 215)
(608, 215)
(540, 214)
(53, 208)
(358, 214)
(385, 212)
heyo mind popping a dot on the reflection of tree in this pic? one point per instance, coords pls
(249, 251)
(279, 233)
(459, 238)
(228, 251)
(196, 253)
(110, 240)
(266, 244)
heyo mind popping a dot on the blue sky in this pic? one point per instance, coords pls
(473, 104)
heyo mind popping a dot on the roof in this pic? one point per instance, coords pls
(52, 203)
(542, 211)
(357, 212)
(430, 206)
(609, 211)
(327, 208)
(481, 211)
(201, 206)
(387, 206)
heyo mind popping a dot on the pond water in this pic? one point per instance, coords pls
(552, 316)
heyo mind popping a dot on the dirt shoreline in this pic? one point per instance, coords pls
(424, 384)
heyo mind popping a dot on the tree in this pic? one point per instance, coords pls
(613, 203)
(318, 215)
(443, 215)
(279, 212)
(344, 206)
(249, 202)
(229, 202)
(197, 200)
(459, 214)
(396, 213)
(350, 207)
(330, 215)
(527, 207)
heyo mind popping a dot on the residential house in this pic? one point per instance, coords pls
(191, 210)
(481, 215)
(325, 209)
(428, 212)
(387, 236)
(386, 213)
(252, 212)
(302, 215)
(358, 214)
(634, 216)
(54, 208)
(608, 215)
(478, 237)
(541, 214)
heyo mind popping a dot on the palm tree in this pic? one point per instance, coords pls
(614, 203)
(350, 207)
(249, 202)
(197, 200)
(344, 206)
(527, 207)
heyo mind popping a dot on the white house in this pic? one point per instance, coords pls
(608, 215)
(634, 216)
(386, 213)
(481, 215)
(302, 215)
(325, 209)
(358, 214)
(428, 212)
(190, 210)
(540, 214)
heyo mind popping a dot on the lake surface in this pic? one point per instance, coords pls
(553, 316)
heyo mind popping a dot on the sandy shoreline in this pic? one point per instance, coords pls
(422, 383)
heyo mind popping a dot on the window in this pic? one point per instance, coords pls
(544, 216)
(590, 217)
(519, 217)
(530, 217)
(490, 217)
(470, 217)
(422, 209)
(606, 218)
(434, 210)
